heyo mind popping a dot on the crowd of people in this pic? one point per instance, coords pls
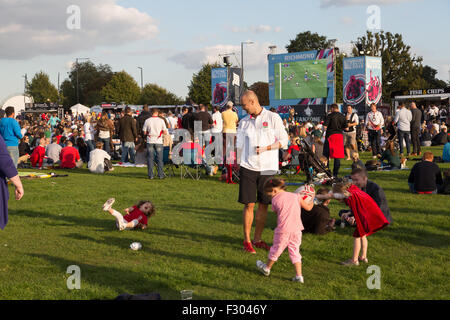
(254, 149)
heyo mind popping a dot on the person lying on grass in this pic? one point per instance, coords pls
(288, 234)
(136, 216)
(369, 217)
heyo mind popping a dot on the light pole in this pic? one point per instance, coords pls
(142, 78)
(242, 67)
(76, 62)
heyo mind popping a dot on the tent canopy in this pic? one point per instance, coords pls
(79, 108)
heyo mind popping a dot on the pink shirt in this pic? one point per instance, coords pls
(287, 206)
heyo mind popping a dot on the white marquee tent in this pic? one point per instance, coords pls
(80, 109)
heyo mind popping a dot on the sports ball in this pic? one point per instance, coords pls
(135, 246)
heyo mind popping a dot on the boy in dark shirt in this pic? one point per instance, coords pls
(425, 176)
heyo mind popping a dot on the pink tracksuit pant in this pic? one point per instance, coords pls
(291, 240)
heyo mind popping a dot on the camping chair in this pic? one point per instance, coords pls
(167, 162)
(191, 164)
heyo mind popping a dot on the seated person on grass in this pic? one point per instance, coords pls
(360, 179)
(391, 156)
(317, 220)
(69, 157)
(99, 160)
(53, 150)
(441, 138)
(356, 161)
(24, 149)
(446, 153)
(38, 158)
(425, 176)
(446, 185)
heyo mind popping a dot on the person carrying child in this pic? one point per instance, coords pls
(136, 216)
(288, 233)
(369, 217)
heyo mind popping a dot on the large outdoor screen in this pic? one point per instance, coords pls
(300, 79)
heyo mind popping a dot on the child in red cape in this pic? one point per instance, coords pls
(369, 217)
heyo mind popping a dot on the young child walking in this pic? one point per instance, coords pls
(136, 216)
(288, 233)
(369, 217)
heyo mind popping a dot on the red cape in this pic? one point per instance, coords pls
(336, 146)
(369, 217)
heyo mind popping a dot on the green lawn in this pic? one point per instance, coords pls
(195, 242)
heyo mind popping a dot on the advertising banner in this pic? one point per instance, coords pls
(373, 80)
(219, 86)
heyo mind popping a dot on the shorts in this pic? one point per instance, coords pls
(350, 138)
(251, 187)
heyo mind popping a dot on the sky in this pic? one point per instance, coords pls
(170, 40)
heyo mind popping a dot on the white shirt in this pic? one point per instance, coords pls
(374, 119)
(154, 127)
(172, 122)
(434, 111)
(217, 122)
(403, 119)
(263, 131)
(97, 160)
(53, 151)
(89, 131)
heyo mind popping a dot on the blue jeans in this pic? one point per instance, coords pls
(106, 146)
(91, 146)
(128, 148)
(14, 153)
(151, 149)
(403, 135)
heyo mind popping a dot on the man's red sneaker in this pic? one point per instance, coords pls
(261, 244)
(248, 247)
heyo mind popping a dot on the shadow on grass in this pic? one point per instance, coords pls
(415, 237)
(120, 280)
(67, 220)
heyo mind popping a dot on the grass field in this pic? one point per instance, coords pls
(195, 242)
(292, 83)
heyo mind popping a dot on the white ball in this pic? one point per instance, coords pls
(135, 246)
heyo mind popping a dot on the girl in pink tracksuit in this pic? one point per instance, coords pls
(288, 233)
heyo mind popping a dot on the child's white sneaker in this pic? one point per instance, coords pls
(108, 204)
(298, 279)
(262, 267)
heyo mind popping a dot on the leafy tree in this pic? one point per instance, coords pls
(41, 89)
(91, 80)
(429, 75)
(152, 94)
(122, 88)
(307, 41)
(400, 69)
(262, 91)
(200, 86)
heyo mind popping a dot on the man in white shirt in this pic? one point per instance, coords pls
(154, 128)
(350, 131)
(217, 121)
(403, 118)
(375, 123)
(172, 121)
(89, 135)
(433, 112)
(97, 158)
(260, 135)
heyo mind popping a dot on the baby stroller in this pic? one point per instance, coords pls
(312, 166)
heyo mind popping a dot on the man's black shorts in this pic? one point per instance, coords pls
(251, 187)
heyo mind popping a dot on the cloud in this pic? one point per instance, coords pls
(342, 3)
(31, 28)
(256, 29)
(255, 56)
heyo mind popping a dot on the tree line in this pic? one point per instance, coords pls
(401, 70)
